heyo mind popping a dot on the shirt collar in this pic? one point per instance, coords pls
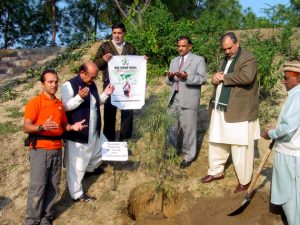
(45, 97)
(118, 46)
(185, 56)
(294, 90)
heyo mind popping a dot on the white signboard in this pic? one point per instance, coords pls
(114, 151)
(128, 74)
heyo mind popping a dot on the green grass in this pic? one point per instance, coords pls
(24, 101)
(8, 128)
(14, 112)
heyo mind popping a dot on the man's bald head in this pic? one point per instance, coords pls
(88, 72)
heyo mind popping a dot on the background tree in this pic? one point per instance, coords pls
(295, 9)
(84, 19)
(15, 20)
(229, 11)
(157, 34)
(189, 9)
(51, 12)
(132, 11)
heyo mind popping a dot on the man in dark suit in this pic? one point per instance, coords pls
(186, 75)
(116, 46)
(234, 120)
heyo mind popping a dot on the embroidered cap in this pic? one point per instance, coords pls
(292, 67)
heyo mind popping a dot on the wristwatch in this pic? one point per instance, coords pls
(41, 128)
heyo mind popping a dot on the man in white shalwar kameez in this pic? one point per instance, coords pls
(81, 100)
(285, 189)
(234, 120)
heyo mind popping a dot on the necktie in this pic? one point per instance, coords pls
(179, 69)
(181, 63)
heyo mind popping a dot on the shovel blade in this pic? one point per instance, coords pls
(244, 205)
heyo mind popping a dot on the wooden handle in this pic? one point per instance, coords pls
(261, 166)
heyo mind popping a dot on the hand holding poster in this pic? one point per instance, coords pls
(128, 74)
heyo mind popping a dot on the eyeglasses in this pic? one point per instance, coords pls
(92, 77)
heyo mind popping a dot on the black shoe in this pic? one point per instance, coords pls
(98, 171)
(84, 198)
(46, 221)
(184, 164)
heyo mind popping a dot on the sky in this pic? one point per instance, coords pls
(257, 5)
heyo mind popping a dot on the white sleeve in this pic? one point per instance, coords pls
(103, 98)
(67, 98)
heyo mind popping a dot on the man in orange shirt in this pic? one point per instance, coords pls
(45, 121)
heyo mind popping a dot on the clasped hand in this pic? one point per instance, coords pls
(182, 75)
(218, 78)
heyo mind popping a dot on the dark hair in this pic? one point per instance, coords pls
(229, 34)
(53, 71)
(185, 38)
(120, 26)
(83, 68)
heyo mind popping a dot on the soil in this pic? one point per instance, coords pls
(195, 203)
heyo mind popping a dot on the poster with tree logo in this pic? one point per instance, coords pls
(128, 74)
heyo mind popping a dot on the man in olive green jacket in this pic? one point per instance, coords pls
(116, 46)
(234, 120)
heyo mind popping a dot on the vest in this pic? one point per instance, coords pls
(82, 111)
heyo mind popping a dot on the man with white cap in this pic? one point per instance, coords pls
(285, 188)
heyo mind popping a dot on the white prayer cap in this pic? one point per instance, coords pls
(292, 67)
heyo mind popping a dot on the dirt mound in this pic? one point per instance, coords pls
(214, 211)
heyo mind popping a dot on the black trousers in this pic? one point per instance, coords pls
(109, 129)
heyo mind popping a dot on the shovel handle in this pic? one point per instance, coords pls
(261, 166)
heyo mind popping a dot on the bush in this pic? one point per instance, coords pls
(153, 125)
(270, 54)
(156, 36)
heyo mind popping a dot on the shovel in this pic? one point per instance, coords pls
(249, 194)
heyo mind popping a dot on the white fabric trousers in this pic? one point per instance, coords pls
(242, 157)
(79, 159)
(285, 189)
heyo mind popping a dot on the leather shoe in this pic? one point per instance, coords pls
(184, 164)
(85, 198)
(241, 187)
(211, 178)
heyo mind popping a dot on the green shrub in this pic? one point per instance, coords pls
(8, 93)
(153, 124)
(284, 46)
(156, 36)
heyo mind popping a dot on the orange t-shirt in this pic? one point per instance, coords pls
(41, 108)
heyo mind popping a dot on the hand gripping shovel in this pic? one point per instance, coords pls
(249, 195)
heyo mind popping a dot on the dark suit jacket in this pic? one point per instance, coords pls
(108, 47)
(243, 102)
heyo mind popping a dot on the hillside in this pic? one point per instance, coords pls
(196, 203)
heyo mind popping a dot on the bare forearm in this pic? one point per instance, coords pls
(31, 128)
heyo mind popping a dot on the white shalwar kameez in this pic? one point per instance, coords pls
(81, 158)
(237, 138)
